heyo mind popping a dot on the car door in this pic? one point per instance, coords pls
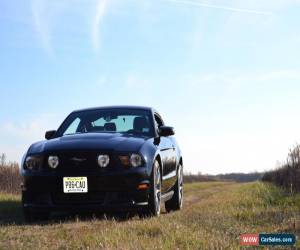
(167, 152)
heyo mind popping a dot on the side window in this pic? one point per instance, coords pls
(72, 129)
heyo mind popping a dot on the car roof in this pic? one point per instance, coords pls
(117, 107)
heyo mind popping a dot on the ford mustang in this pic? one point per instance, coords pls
(120, 158)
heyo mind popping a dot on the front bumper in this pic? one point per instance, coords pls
(99, 207)
(106, 192)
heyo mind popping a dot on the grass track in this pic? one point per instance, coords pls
(214, 215)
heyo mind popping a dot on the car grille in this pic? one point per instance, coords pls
(80, 161)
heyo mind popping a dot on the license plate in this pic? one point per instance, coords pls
(75, 185)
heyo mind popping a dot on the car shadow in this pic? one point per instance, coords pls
(11, 214)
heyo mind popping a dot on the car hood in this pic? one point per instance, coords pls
(90, 141)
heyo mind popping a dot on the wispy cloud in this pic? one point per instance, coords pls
(98, 18)
(38, 8)
(232, 80)
(45, 14)
(199, 4)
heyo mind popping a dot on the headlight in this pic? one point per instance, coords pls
(32, 162)
(135, 160)
(53, 161)
(103, 161)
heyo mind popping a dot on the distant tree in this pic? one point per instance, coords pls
(288, 174)
(2, 159)
(293, 159)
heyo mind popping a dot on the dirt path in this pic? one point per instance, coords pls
(196, 194)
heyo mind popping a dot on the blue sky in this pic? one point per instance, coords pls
(225, 74)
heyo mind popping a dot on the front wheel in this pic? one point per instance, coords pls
(155, 193)
(175, 203)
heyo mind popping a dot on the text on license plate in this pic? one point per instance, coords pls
(75, 185)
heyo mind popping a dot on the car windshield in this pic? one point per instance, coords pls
(130, 121)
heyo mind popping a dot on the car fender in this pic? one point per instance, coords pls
(150, 152)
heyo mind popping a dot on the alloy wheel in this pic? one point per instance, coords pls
(157, 189)
(180, 186)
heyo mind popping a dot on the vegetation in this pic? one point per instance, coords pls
(214, 215)
(238, 177)
(190, 178)
(287, 175)
(10, 179)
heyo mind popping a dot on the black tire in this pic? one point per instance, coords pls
(27, 215)
(154, 202)
(176, 202)
(30, 216)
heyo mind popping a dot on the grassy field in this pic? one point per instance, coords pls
(214, 215)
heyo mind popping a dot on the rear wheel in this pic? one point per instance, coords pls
(155, 193)
(175, 203)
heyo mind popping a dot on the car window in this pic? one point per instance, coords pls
(123, 123)
(109, 120)
(72, 129)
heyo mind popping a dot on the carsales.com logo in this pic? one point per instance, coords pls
(267, 239)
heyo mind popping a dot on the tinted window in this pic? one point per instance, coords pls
(109, 121)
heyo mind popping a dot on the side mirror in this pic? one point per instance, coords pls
(166, 131)
(49, 134)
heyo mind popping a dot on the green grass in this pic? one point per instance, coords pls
(214, 215)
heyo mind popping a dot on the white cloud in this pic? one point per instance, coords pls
(213, 6)
(234, 78)
(101, 8)
(46, 15)
(39, 9)
(270, 4)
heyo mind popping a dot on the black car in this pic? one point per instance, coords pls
(119, 158)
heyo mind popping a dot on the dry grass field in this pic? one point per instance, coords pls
(214, 215)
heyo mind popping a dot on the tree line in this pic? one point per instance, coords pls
(287, 174)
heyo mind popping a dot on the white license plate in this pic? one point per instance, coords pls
(75, 185)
